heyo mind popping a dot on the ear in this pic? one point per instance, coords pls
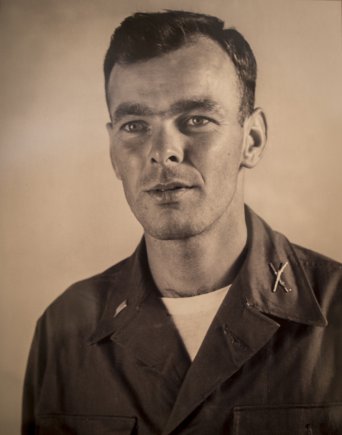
(109, 127)
(255, 138)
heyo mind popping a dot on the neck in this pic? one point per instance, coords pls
(201, 263)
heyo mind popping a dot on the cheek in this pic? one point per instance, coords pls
(129, 169)
(217, 156)
(127, 156)
(129, 166)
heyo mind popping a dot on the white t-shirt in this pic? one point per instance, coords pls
(193, 316)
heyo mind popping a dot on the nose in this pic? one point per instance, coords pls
(167, 147)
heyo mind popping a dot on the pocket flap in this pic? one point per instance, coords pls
(85, 425)
(288, 420)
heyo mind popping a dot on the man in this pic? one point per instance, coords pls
(216, 324)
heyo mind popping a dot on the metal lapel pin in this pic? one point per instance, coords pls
(278, 280)
(120, 307)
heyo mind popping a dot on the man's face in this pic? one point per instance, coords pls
(176, 140)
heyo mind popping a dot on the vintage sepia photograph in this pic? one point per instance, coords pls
(171, 239)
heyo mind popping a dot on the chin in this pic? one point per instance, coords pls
(174, 231)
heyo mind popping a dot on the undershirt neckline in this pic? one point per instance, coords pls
(193, 315)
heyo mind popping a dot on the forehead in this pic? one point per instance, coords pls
(199, 70)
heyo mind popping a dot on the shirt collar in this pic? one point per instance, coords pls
(267, 251)
(131, 286)
(254, 283)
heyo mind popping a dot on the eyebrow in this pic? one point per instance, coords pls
(127, 109)
(181, 106)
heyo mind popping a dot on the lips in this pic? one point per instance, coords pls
(171, 192)
(164, 187)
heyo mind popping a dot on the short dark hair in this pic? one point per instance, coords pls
(143, 36)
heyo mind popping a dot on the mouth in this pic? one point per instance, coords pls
(169, 192)
(174, 186)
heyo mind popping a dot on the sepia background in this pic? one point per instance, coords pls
(63, 213)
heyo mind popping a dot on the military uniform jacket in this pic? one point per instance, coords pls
(107, 359)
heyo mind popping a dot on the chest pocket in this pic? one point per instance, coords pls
(85, 425)
(289, 420)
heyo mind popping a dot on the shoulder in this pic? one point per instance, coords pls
(325, 277)
(315, 259)
(317, 265)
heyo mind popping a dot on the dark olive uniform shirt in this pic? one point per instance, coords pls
(107, 359)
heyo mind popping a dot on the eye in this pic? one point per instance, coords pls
(135, 127)
(197, 124)
(198, 121)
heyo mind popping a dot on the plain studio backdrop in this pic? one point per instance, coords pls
(63, 213)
